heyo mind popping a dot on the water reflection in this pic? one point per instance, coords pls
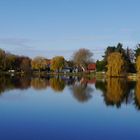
(39, 83)
(81, 91)
(114, 91)
(57, 84)
(8, 83)
(137, 95)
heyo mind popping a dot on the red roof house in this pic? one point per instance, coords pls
(91, 67)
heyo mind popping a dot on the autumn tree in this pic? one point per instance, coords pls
(128, 55)
(82, 58)
(116, 89)
(39, 63)
(137, 94)
(138, 65)
(57, 84)
(39, 83)
(57, 63)
(25, 65)
(116, 65)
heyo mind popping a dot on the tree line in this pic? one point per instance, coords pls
(80, 60)
(117, 61)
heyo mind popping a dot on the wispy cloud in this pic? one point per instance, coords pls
(81, 38)
(21, 42)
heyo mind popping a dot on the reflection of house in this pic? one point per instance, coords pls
(91, 67)
(88, 81)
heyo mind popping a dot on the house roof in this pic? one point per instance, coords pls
(91, 66)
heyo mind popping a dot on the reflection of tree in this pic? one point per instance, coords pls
(8, 83)
(82, 92)
(39, 83)
(2, 84)
(57, 84)
(137, 94)
(21, 82)
(116, 89)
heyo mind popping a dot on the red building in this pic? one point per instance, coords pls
(91, 67)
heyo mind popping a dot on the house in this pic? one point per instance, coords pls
(67, 70)
(91, 67)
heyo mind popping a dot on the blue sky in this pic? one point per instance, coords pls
(59, 27)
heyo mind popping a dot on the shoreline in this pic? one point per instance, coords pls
(98, 75)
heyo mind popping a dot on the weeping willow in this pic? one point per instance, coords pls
(57, 84)
(138, 65)
(137, 94)
(39, 83)
(116, 89)
(116, 65)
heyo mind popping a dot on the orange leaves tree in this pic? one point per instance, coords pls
(57, 63)
(116, 65)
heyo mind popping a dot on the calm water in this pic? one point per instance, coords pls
(65, 108)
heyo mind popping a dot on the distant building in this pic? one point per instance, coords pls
(67, 70)
(91, 67)
(11, 71)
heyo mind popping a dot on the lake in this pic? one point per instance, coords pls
(63, 108)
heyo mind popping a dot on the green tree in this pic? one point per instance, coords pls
(57, 63)
(137, 51)
(2, 59)
(9, 61)
(100, 65)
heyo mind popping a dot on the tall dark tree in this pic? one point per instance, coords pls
(2, 59)
(25, 65)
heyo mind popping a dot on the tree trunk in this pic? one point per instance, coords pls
(83, 68)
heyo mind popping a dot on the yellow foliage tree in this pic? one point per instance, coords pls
(115, 91)
(138, 65)
(57, 84)
(39, 83)
(39, 63)
(137, 94)
(57, 63)
(116, 65)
